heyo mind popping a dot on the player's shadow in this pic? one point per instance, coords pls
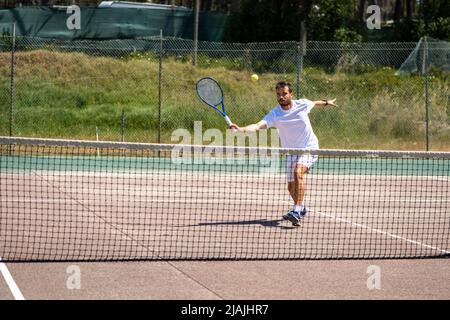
(262, 222)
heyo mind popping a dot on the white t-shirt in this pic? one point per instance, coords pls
(293, 125)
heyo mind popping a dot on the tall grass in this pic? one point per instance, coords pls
(68, 95)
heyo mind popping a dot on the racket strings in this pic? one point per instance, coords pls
(210, 92)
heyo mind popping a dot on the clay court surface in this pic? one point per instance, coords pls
(113, 235)
(89, 221)
(233, 280)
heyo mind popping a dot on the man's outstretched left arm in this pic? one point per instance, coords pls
(323, 103)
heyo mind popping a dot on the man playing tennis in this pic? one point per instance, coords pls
(291, 119)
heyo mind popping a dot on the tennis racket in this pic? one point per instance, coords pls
(210, 92)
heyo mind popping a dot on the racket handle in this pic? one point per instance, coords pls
(229, 123)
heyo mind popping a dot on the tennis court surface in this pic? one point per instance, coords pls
(89, 201)
(78, 201)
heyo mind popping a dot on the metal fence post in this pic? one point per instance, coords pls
(11, 92)
(427, 104)
(160, 83)
(301, 51)
(122, 126)
(196, 24)
(298, 72)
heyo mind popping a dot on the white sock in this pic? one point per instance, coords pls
(298, 208)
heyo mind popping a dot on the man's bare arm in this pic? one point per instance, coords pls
(323, 103)
(250, 128)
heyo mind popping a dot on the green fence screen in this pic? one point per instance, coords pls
(111, 23)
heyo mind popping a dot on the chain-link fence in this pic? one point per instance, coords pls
(143, 90)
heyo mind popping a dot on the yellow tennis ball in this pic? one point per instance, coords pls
(255, 77)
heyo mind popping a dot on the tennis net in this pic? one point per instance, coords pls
(64, 200)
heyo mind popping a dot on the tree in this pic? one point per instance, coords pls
(410, 8)
(398, 13)
(361, 11)
(327, 16)
(268, 20)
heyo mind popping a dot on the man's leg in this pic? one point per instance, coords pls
(291, 188)
(297, 191)
(291, 163)
(299, 184)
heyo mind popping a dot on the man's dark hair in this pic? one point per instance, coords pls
(282, 84)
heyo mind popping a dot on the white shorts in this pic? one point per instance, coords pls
(293, 159)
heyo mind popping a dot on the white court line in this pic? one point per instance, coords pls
(10, 282)
(404, 200)
(394, 236)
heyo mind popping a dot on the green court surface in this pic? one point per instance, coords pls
(329, 165)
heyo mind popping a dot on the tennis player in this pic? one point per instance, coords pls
(291, 119)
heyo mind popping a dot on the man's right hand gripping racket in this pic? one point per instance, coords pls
(210, 92)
